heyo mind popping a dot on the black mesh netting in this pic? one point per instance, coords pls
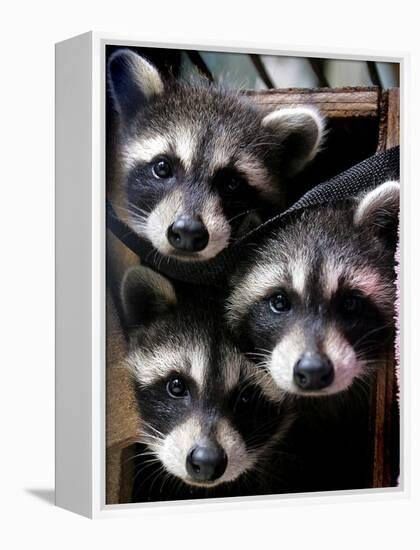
(367, 174)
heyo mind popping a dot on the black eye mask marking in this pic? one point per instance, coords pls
(352, 304)
(237, 196)
(149, 182)
(167, 402)
(256, 418)
(354, 314)
(361, 321)
(229, 182)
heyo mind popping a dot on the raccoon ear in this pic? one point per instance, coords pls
(145, 294)
(378, 210)
(298, 132)
(133, 81)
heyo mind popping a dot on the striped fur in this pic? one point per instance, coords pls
(209, 136)
(335, 266)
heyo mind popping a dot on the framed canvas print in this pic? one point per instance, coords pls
(227, 260)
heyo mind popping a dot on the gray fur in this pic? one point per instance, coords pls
(320, 258)
(207, 134)
(184, 340)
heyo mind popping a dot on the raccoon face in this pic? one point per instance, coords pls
(316, 307)
(200, 164)
(203, 414)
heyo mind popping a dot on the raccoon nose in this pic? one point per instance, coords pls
(313, 372)
(188, 234)
(206, 463)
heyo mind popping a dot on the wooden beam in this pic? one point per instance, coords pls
(331, 102)
(384, 418)
(389, 127)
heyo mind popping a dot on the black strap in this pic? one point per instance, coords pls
(365, 175)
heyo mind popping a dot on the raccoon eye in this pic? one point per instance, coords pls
(279, 303)
(246, 396)
(162, 169)
(228, 181)
(352, 304)
(176, 387)
(233, 183)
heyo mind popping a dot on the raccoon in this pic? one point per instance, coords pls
(315, 304)
(206, 422)
(200, 165)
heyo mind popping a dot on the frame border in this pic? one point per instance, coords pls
(96, 406)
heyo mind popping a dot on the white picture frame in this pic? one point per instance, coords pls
(80, 276)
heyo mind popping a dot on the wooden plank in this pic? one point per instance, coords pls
(332, 102)
(382, 420)
(122, 416)
(389, 126)
(385, 391)
(122, 419)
